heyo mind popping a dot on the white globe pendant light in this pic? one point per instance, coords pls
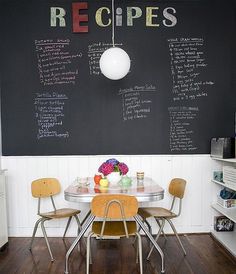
(114, 62)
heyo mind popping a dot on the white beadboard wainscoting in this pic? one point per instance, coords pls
(197, 214)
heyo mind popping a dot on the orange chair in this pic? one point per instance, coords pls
(117, 208)
(176, 189)
(44, 188)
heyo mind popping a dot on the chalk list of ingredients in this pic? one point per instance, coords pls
(49, 113)
(57, 64)
(188, 65)
(181, 128)
(95, 51)
(136, 101)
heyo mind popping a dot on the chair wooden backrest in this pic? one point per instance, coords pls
(109, 205)
(114, 206)
(177, 189)
(45, 187)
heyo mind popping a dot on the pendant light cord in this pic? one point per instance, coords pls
(113, 23)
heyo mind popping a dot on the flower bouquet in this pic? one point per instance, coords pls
(113, 170)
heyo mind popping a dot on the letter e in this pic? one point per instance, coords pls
(78, 18)
(150, 15)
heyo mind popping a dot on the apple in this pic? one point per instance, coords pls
(103, 182)
(97, 178)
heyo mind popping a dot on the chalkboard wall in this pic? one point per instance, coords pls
(179, 93)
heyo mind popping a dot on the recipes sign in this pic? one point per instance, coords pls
(154, 16)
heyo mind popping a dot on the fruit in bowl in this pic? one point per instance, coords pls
(103, 182)
(97, 178)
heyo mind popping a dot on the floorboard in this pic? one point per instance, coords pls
(204, 256)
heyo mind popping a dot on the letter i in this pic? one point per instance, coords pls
(119, 17)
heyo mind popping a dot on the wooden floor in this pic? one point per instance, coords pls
(204, 256)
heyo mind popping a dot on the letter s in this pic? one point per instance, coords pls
(170, 17)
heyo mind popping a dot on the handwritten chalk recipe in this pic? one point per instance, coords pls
(188, 65)
(136, 101)
(182, 128)
(49, 114)
(57, 64)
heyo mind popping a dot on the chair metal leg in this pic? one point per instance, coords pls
(67, 226)
(159, 250)
(140, 253)
(135, 237)
(158, 222)
(87, 223)
(46, 238)
(139, 229)
(34, 232)
(86, 217)
(79, 224)
(177, 236)
(149, 226)
(88, 256)
(157, 236)
(136, 247)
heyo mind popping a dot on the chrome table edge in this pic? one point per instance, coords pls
(88, 198)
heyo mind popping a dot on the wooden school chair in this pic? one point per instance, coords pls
(47, 188)
(176, 189)
(113, 211)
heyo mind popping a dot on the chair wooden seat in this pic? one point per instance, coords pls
(60, 213)
(114, 230)
(158, 212)
(47, 188)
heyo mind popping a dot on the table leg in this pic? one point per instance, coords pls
(88, 222)
(146, 231)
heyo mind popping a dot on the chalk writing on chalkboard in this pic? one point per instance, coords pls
(136, 101)
(188, 64)
(95, 51)
(56, 63)
(49, 113)
(182, 128)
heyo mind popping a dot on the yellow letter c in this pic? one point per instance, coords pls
(98, 17)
